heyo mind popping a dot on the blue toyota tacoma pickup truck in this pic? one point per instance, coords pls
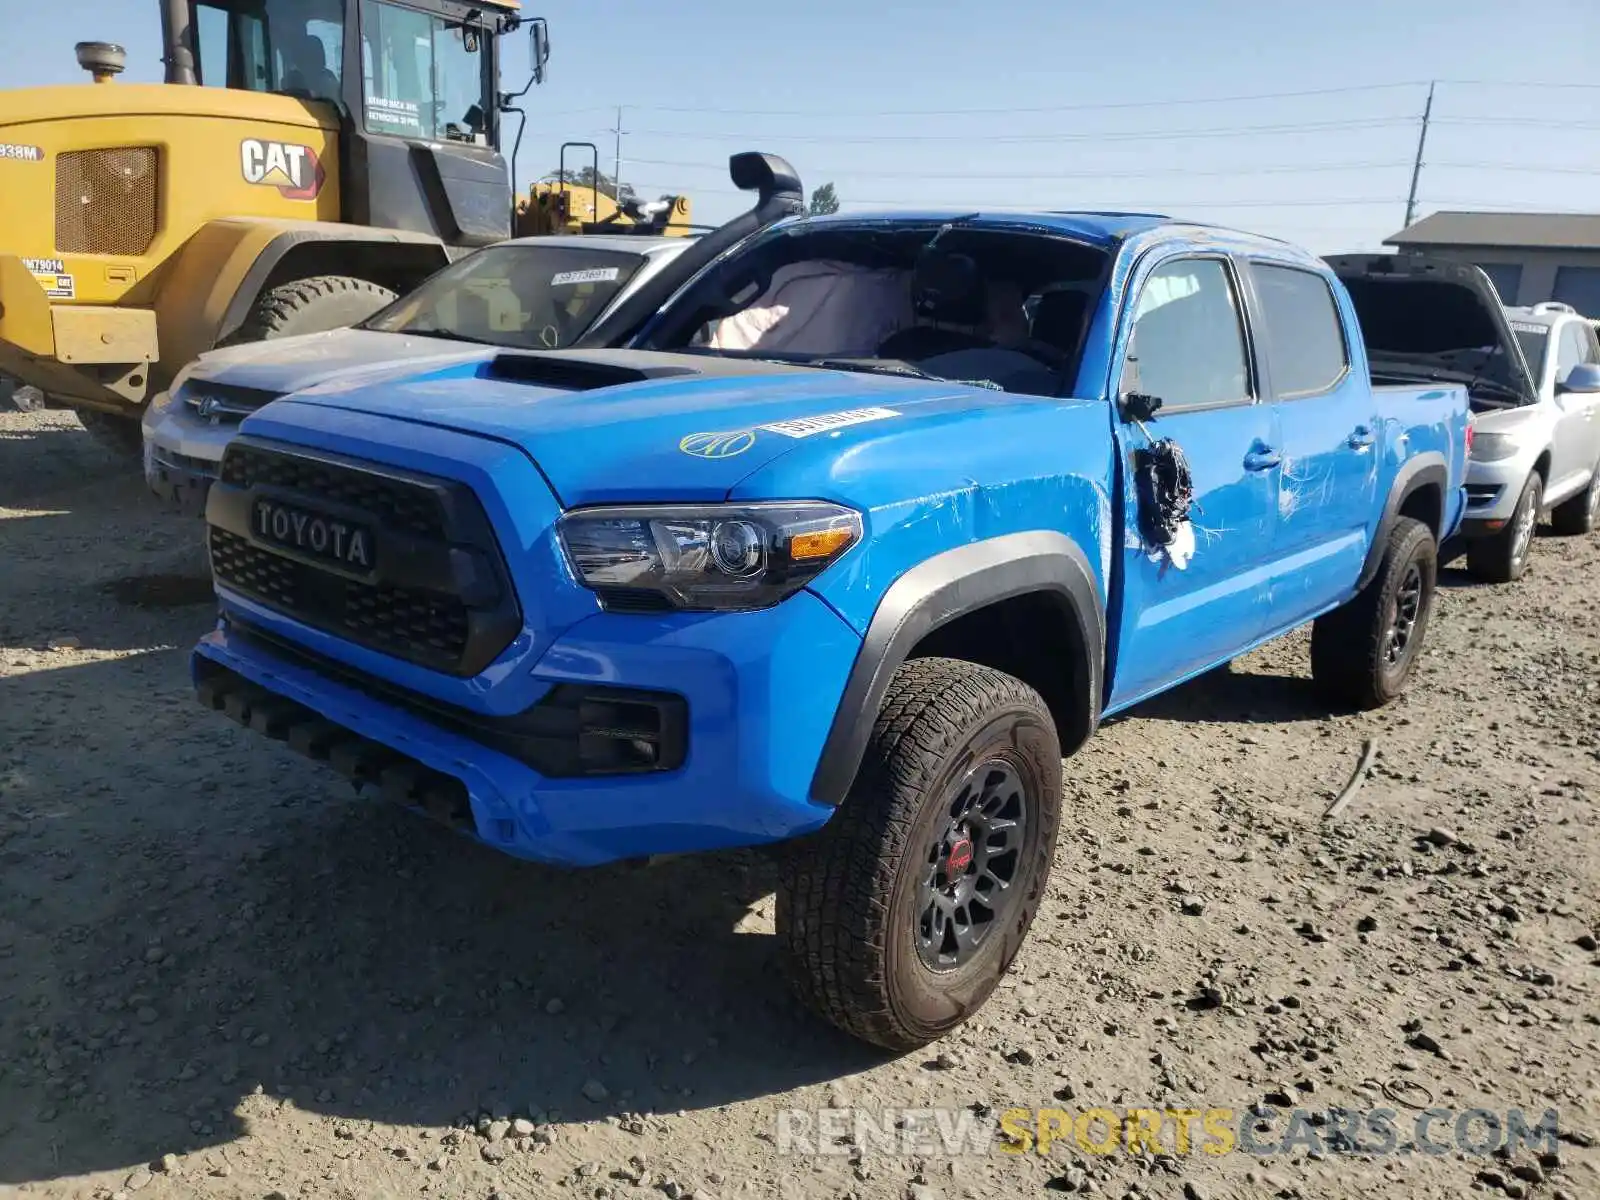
(868, 525)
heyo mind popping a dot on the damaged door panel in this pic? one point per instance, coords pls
(1196, 592)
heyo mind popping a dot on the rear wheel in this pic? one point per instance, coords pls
(312, 305)
(900, 917)
(1581, 513)
(1503, 557)
(1363, 652)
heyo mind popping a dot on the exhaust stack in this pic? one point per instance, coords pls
(177, 42)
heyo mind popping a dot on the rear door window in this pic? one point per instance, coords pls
(1304, 337)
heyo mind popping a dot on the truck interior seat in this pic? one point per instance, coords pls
(946, 290)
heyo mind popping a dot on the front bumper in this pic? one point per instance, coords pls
(182, 453)
(1493, 489)
(758, 692)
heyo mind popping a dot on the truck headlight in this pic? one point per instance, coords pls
(706, 557)
(1491, 447)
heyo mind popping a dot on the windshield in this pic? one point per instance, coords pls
(1533, 339)
(1002, 308)
(421, 76)
(292, 47)
(526, 297)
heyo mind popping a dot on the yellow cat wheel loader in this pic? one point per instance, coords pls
(303, 163)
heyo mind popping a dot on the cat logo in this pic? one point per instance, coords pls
(292, 169)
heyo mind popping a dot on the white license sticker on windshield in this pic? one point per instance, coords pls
(1524, 327)
(592, 275)
(805, 426)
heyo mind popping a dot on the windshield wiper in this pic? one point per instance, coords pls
(871, 366)
(448, 336)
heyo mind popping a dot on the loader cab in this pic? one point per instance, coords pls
(415, 85)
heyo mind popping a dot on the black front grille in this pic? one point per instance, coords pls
(436, 591)
(402, 621)
(400, 503)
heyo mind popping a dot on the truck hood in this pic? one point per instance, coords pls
(282, 365)
(1532, 421)
(1436, 319)
(621, 425)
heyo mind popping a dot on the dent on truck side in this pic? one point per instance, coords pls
(963, 513)
(951, 585)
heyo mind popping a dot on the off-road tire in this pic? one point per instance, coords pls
(1351, 660)
(1502, 557)
(1581, 513)
(122, 436)
(312, 305)
(847, 904)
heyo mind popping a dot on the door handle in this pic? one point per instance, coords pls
(1360, 439)
(1261, 458)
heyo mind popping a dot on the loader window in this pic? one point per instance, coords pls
(422, 76)
(292, 47)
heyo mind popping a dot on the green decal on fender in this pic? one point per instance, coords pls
(718, 445)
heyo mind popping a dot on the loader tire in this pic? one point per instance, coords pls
(312, 305)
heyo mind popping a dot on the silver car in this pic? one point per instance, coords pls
(1540, 454)
(533, 293)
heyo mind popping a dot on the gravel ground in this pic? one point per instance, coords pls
(223, 974)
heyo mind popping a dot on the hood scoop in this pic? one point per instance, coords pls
(577, 373)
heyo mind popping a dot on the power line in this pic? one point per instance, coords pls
(1155, 173)
(1047, 175)
(1124, 205)
(1122, 105)
(1540, 122)
(1532, 170)
(1047, 108)
(1134, 136)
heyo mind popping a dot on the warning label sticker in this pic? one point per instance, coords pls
(806, 426)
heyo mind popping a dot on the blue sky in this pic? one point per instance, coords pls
(1031, 103)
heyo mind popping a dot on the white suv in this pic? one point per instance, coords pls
(1541, 454)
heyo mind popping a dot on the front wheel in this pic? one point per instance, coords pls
(900, 917)
(1503, 556)
(1363, 652)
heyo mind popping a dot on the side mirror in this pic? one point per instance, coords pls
(539, 47)
(1585, 377)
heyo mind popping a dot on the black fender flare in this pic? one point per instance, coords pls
(1419, 472)
(940, 589)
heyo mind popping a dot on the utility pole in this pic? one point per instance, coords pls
(1416, 167)
(616, 175)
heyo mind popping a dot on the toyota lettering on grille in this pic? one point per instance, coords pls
(324, 537)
